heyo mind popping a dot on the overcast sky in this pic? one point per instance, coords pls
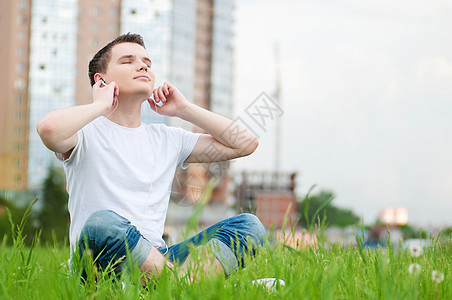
(366, 95)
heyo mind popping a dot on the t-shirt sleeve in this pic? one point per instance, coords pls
(187, 142)
(76, 152)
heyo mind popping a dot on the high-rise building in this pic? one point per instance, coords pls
(46, 45)
(52, 74)
(15, 22)
(98, 23)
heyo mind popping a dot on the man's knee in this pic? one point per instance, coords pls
(100, 222)
(254, 228)
(107, 228)
(108, 235)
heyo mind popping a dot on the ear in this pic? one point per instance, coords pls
(97, 77)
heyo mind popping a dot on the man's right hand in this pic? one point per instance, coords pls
(105, 95)
(58, 128)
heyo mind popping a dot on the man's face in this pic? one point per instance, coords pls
(130, 68)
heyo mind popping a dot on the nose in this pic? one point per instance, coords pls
(143, 66)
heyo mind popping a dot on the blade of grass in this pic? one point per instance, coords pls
(325, 203)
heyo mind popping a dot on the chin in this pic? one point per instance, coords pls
(145, 96)
(144, 93)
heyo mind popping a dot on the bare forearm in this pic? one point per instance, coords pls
(224, 140)
(217, 126)
(56, 127)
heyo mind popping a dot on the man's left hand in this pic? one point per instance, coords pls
(170, 100)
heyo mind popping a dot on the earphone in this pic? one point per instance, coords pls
(103, 83)
(159, 104)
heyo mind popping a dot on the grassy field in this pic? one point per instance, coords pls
(41, 272)
(321, 272)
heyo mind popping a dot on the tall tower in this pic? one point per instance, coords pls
(98, 24)
(15, 63)
(277, 95)
(213, 79)
(52, 74)
(222, 63)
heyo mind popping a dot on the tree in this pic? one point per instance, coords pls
(335, 216)
(16, 213)
(54, 216)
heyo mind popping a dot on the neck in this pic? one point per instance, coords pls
(128, 113)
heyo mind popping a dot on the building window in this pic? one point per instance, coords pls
(19, 84)
(95, 27)
(17, 147)
(19, 99)
(18, 180)
(20, 51)
(114, 28)
(96, 11)
(18, 115)
(94, 42)
(21, 20)
(114, 12)
(21, 36)
(18, 163)
(18, 131)
(20, 67)
(23, 5)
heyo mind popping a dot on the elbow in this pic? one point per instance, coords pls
(46, 130)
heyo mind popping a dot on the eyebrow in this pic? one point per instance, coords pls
(134, 56)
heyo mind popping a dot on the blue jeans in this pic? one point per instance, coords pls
(108, 235)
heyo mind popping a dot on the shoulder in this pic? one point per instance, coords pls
(165, 130)
(94, 124)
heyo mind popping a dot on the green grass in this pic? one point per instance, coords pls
(333, 272)
(337, 273)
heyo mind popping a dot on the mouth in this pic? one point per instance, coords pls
(142, 77)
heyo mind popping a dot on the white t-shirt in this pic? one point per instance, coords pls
(127, 170)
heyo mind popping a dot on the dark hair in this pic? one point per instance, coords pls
(101, 59)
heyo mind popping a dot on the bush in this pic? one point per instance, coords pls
(335, 216)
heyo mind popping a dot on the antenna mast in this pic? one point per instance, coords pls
(277, 96)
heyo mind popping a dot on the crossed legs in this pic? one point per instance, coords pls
(108, 235)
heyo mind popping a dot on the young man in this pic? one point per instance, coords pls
(119, 171)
